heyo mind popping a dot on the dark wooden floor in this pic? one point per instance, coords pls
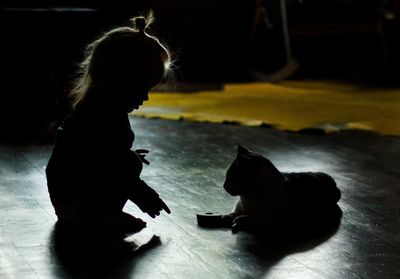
(188, 162)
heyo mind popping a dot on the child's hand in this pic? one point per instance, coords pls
(148, 200)
(155, 207)
(142, 153)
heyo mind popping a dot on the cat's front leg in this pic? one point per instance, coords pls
(244, 223)
(227, 220)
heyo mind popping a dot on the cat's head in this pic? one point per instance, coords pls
(251, 174)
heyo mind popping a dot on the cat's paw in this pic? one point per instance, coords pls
(227, 220)
(242, 223)
(235, 228)
(237, 224)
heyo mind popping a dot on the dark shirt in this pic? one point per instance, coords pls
(92, 158)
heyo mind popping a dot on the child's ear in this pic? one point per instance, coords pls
(242, 150)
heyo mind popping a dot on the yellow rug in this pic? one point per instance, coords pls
(290, 105)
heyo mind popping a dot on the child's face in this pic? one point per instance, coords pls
(133, 95)
(135, 99)
(133, 85)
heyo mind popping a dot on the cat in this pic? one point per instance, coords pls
(267, 197)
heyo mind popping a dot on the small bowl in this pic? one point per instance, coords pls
(209, 220)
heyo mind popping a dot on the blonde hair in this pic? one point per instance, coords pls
(119, 52)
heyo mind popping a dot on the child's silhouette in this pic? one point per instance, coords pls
(92, 171)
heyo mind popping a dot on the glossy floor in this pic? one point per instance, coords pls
(188, 163)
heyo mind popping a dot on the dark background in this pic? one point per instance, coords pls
(42, 43)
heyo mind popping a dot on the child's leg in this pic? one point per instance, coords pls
(121, 223)
(98, 217)
(108, 215)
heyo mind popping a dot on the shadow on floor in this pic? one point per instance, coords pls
(87, 255)
(302, 234)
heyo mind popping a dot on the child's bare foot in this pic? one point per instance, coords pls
(130, 224)
(152, 243)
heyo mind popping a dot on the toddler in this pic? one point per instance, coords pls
(92, 171)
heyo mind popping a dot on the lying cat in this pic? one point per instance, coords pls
(267, 196)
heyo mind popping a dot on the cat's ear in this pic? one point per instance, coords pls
(243, 155)
(242, 150)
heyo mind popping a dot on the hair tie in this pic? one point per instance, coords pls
(140, 24)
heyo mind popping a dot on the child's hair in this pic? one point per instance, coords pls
(122, 53)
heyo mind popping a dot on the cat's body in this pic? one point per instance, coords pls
(266, 196)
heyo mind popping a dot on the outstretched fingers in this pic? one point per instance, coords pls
(140, 151)
(144, 160)
(157, 208)
(165, 207)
